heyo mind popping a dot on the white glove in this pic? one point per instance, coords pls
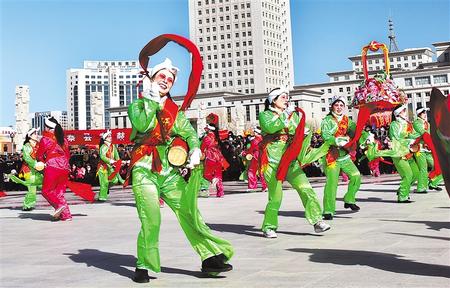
(194, 159)
(289, 109)
(152, 93)
(306, 131)
(341, 141)
(39, 166)
(371, 138)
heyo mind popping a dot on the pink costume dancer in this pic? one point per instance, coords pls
(214, 160)
(374, 165)
(54, 151)
(253, 169)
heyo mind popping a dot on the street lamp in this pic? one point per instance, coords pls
(12, 134)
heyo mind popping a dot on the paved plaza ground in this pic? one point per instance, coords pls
(386, 244)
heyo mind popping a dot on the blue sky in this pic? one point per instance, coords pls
(40, 40)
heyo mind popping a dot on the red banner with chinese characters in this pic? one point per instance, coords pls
(92, 137)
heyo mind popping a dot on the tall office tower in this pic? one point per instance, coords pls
(37, 119)
(246, 45)
(22, 110)
(116, 82)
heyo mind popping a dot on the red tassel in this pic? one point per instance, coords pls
(3, 194)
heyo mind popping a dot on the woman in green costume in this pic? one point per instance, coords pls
(33, 178)
(424, 158)
(278, 123)
(106, 169)
(156, 121)
(336, 129)
(401, 130)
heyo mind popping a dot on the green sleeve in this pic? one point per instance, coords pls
(102, 153)
(327, 130)
(351, 127)
(419, 126)
(395, 130)
(116, 153)
(270, 122)
(142, 114)
(184, 129)
(26, 154)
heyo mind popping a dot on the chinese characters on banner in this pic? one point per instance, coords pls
(92, 137)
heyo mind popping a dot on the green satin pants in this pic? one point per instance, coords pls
(148, 187)
(408, 171)
(332, 175)
(298, 180)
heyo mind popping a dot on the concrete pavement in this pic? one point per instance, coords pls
(386, 244)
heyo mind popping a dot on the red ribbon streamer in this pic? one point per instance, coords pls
(294, 149)
(158, 43)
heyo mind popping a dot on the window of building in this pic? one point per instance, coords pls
(408, 82)
(336, 78)
(329, 90)
(341, 89)
(423, 80)
(247, 113)
(440, 79)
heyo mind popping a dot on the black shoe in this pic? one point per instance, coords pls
(354, 207)
(327, 216)
(404, 201)
(215, 264)
(141, 276)
(28, 209)
(437, 188)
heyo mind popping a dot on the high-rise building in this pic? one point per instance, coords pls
(37, 119)
(116, 81)
(22, 110)
(246, 45)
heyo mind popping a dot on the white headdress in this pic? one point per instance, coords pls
(106, 134)
(49, 123)
(276, 92)
(399, 110)
(32, 131)
(337, 98)
(167, 64)
(422, 109)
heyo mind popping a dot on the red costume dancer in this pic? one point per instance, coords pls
(214, 160)
(252, 155)
(54, 152)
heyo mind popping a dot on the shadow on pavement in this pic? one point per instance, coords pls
(377, 260)
(117, 263)
(237, 229)
(301, 214)
(371, 199)
(252, 230)
(377, 190)
(433, 225)
(422, 236)
(42, 216)
(129, 204)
